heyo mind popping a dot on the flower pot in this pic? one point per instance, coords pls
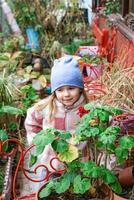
(116, 197)
(126, 123)
(126, 176)
(93, 71)
(105, 189)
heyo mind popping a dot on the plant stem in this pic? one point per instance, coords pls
(106, 156)
(95, 152)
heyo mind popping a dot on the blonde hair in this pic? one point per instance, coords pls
(50, 104)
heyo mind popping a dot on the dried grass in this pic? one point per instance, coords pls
(119, 84)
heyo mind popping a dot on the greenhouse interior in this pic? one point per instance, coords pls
(66, 100)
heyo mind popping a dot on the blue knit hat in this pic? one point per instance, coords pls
(66, 71)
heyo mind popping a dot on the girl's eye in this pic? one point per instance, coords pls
(71, 88)
(59, 90)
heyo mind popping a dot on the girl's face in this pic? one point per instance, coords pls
(68, 95)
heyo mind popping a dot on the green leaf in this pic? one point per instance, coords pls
(116, 187)
(87, 167)
(121, 154)
(47, 190)
(73, 165)
(127, 142)
(81, 185)
(39, 150)
(108, 176)
(113, 130)
(103, 115)
(11, 110)
(41, 140)
(111, 148)
(116, 110)
(96, 172)
(33, 160)
(92, 105)
(64, 135)
(12, 126)
(32, 96)
(69, 155)
(92, 132)
(107, 139)
(26, 102)
(25, 89)
(3, 137)
(83, 129)
(109, 135)
(60, 146)
(63, 185)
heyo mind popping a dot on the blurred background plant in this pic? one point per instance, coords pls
(111, 7)
(53, 20)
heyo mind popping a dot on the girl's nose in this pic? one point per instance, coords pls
(66, 93)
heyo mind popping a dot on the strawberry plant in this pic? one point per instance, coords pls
(85, 179)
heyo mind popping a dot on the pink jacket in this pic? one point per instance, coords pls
(65, 119)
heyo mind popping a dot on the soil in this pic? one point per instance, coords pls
(126, 191)
(69, 196)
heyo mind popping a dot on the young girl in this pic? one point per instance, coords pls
(60, 109)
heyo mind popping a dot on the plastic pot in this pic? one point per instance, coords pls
(106, 189)
(116, 197)
(126, 176)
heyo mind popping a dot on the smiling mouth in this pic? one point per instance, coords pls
(67, 100)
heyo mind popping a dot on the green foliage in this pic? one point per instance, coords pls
(74, 45)
(10, 60)
(81, 185)
(12, 43)
(111, 7)
(60, 146)
(29, 18)
(3, 137)
(63, 185)
(94, 128)
(12, 126)
(47, 190)
(57, 139)
(33, 160)
(41, 140)
(93, 59)
(8, 90)
(10, 110)
(29, 96)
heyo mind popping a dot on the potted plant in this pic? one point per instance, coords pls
(126, 123)
(94, 178)
(92, 67)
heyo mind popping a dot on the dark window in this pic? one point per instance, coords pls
(127, 6)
